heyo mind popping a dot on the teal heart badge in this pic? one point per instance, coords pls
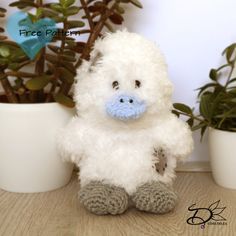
(31, 37)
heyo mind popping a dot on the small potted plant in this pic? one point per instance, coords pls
(37, 99)
(217, 111)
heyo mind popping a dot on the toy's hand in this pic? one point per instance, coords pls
(177, 139)
(69, 143)
(159, 161)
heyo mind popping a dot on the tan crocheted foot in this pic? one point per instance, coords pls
(102, 199)
(154, 197)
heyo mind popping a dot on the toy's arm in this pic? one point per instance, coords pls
(69, 142)
(178, 139)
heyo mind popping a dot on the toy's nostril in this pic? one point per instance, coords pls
(131, 101)
(121, 100)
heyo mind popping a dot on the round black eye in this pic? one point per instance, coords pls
(137, 84)
(115, 85)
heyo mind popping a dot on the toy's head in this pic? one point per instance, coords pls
(125, 80)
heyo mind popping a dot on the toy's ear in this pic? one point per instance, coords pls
(89, 66)
(95, 60)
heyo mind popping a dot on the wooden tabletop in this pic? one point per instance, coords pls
(58, 213)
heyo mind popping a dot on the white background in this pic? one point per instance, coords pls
(192, 35)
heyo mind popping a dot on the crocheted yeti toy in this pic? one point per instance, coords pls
(125, 139)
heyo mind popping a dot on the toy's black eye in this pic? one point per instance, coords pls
(137, 84)
(115, 85)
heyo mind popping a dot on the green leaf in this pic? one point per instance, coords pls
(116, 19)
(230, 46)
(3, 10)
(229, 52)
(14, 66)
(57, 7)
(68, 58)
(38, 83)
(207, 86)
(64, 100)
(232, 129)
(233, 100)
(58, 19)
(62, 2)
(54, 48)
(72, 11)
(22, 4)
(4, 51)
(49, 13)
(3, 61)
(69, 53)
(120, 9)
(39, 12)
(69, 66)
(109, 27)
(213, 74)
(75, 24)
(190, 122)
(228, 114)
(65, 75)
(137, 3)
(18, 83)
(203, 130)
(176, 113)
(231, 81)
(68, 3)
(205, 106)
(18, 55)
(100, 4)
(51, 58)
(183, 108)
(70, 44)
(198, 126)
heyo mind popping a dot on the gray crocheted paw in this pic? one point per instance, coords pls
(102, 199)
(154, 197)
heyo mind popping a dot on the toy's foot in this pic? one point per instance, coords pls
(154, 197)
(102, 199)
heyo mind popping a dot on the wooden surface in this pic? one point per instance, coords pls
(194, 166)
(58, 213)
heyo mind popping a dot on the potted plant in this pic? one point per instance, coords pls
(37, 99)
(217, 111)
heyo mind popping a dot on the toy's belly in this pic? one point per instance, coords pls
(127, 166)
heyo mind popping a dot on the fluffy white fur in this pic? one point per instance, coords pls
(121, 152)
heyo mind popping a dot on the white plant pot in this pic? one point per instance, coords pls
(29, 161)
(222, 146)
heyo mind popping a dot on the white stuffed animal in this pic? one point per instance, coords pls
(125, 139)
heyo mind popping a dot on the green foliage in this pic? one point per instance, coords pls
(64, 100)
(136, 3)
(55, 65)
(2, 14)
(4, 51)
(217, 99)
(37, 83)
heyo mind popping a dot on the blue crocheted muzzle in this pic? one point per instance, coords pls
(125, 107)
